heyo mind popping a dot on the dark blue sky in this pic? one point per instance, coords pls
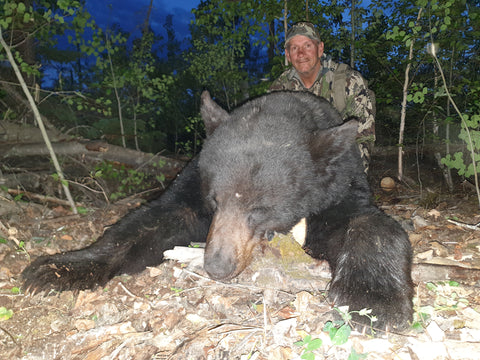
(131, 14)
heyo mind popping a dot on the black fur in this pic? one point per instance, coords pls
(266, 165)
(178, 217)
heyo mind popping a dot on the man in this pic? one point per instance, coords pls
(317, 73)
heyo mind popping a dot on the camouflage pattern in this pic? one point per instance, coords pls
(302, 28)
(359, 100)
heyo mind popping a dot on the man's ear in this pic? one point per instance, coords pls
(212, 114)
(287, 55)
(326, 146)
(320, 49)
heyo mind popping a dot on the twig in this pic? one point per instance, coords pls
(8, 333)
(265, 323)
(464, 123)
(3, 228)
(241, 286)
(115, 88)
(464, 225)
(62, 219)
(92, 190)
(126, 290)
(41, 198)
(403, 111)
(240, 328)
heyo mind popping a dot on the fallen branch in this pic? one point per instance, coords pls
(464, 225)
(38, 197)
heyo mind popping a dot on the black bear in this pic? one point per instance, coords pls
(266, 165)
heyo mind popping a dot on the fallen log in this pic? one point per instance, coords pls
(98, 150)
(424, 272)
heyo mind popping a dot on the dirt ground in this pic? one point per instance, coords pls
(174, 311)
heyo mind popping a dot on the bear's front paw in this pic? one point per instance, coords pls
(371, 312)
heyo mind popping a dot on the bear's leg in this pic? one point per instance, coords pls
(177, 217)
(371, 268)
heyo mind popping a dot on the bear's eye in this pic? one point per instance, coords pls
(269, 235)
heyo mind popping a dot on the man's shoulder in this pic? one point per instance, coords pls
(286, 81)
(346, 71)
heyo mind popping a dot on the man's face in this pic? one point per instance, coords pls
(304, 54)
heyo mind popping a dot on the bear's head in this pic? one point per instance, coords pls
(267, 165)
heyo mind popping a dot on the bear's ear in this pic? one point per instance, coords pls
(332, 143)
(212, 114)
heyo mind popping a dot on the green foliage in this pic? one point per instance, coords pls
(176, 290)
(309, 345)
(219, 47)
(457, 161)
(82, 210)
(417, 93)
(446, 299)
(194, 127)
(15, 290)
(125, 181)
(356, 356)
(339, 331)
(5, 313)
(56, 177)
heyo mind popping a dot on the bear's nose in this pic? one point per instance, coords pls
(219, 266)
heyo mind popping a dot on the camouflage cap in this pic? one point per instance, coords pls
(302, 28)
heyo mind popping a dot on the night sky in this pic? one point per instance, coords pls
(131, 14)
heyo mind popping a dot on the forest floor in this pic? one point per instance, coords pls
(174, 311)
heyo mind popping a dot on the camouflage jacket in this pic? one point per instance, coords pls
(358, 100)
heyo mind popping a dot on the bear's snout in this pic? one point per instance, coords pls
(229, 245)
(219, 265)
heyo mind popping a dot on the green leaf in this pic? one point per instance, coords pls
(328, 326)
(356, 356)
(431, 286)
(314, 344)
(15, 290)
(418, 97)
(20, 8)
(82, 210)
(417, 326)
(308, 356)
(340, 336)
(5, 314)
